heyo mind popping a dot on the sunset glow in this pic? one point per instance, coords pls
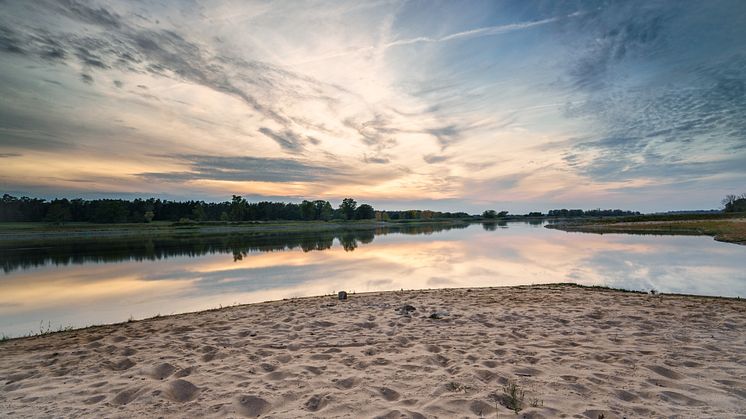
(465, 106)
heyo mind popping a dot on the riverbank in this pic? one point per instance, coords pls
(732, 230)
(44, 231)
(454, 353)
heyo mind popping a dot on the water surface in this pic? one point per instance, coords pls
(80, 283)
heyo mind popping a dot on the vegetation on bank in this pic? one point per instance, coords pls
(118, 211)
(728, 227)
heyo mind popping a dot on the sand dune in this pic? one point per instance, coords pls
(574, 352)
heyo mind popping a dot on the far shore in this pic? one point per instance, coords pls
(529, 351)
(731, 230)
(724, 227)
(30, 231)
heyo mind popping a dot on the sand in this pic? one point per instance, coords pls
(575, 352)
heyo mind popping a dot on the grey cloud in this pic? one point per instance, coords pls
(434, 158)
(29, 132)
(87, 14)
(9, 155)
(688, 102)
(86, 78)
(376, 159)
(630, 32)
(288, 140)
(446, 135)
(375, 132)
(9, 41)
(165, 53)
(617, 168)
(248, 169)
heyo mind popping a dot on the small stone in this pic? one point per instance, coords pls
(438, 315)
(342, 295)
(406, 309)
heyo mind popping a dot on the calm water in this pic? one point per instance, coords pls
(94, 282)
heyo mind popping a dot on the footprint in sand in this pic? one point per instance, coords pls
(626, 396)
(121, 365)
(317, 402)
(680, 399)
(671, 374)
(490, 364)
(389, 394)
(346, 383)
(181, 391)
(397, 414)
(162, 371)
(128, 351)
(94, 399)
(125, 396)
(314, 370)
(432, 348)
(184, 372)
(251, 406)
(267, 367)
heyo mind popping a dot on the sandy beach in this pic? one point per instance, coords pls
(572, 352)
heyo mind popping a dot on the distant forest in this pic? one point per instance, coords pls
(590, 213)
(237, 209)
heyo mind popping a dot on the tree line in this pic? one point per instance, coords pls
(27, 209)
(734, 203)
(590, 213)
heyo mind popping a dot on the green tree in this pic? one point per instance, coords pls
(734, 203)
(502, 214)
(489, 214)
(198, 213)
(365, 212)
(59, 211)
(238, 208)
(307, 210)
(347, 208)
(324, 210)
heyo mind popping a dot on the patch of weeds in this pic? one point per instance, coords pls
(457, 387)
(513, 396)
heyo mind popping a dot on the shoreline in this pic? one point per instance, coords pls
(597, 288)
(573, 350)
(724, 230)
(18, 232)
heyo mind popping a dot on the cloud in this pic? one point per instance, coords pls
(246, 169)
(631, 36)
(433, 158)
(87, 14)
(286, 139)
(446, 135)
(681, 107)
(376, 159)
(606, 94)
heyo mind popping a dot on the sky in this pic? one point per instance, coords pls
(453, 105)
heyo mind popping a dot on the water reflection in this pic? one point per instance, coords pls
(24, 255)
(178, 274)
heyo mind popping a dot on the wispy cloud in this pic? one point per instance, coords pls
(583, 101)
(476, 33)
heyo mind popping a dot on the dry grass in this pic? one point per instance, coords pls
(726, 230)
